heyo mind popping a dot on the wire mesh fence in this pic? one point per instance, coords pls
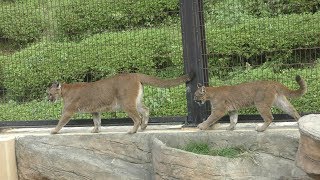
(265, 40)
(83, 41)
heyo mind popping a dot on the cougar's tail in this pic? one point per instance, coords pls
(163, 83)
(299, 92)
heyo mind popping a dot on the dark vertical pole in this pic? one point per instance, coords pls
(194, 54)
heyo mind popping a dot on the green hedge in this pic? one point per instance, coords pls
(29, 71)
(28, 21)
(267, 8)
(265, 40)
(21, 24)
(151, 50)
(78, 18)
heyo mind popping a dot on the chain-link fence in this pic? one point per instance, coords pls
(250, 40)
(84, 41)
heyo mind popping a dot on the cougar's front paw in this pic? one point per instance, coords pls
(95, 130)
(202, 126)
(132, 131)
(260, 128)
(143, 127)
(230, 128)
(53, 131)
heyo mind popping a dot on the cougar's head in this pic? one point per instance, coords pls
(54, 92)
(200, 94)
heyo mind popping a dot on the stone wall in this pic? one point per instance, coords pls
(154, 156)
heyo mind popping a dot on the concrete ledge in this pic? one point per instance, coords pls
(78, 154)
(153, 155)
(8, 170)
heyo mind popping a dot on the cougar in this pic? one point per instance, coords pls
(262, 94)
(120, 92)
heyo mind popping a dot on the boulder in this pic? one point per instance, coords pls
(83, 157)
(156, 155)
(171, 163)
(308, 155)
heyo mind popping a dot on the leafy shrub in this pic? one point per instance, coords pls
(268, 8)
(28, 21)
(263, 40)
(225, 13)
(2, 88)
(78, 18)
(231, 12)
(21, 23)
(29, 71)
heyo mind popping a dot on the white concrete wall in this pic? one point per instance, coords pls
(8, 167)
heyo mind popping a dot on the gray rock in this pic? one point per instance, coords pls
(170, 163)
(83, 157)
(154, 155)
(308, 156)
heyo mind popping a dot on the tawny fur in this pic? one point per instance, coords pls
(261, 94)
(120, 92)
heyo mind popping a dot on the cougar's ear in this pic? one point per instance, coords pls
(199, 85)
(56, 84)
(203, 89)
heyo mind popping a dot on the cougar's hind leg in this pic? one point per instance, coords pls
(263, 102)
(266, 114)
(97, 122)
(216, 114)
(284, 104)
(132, 112)
(144, 111)
(233, 120)
(65, 118)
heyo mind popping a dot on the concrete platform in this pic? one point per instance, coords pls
(150, 129)
(75, 153)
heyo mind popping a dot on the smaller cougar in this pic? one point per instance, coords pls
(262, 94)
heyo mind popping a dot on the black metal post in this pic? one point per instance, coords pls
(194, 54)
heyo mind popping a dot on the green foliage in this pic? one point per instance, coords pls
(2, 88)
(21, 23)
(77, 19)
(205, 149)
(166, 102)
(232, 12)
(39, 110)
(267, 8)
(263, 40)
(225, 13)
(29, 71)
(28, 21)
(197, 147)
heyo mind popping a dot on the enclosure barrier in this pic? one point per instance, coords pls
(8, 165)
